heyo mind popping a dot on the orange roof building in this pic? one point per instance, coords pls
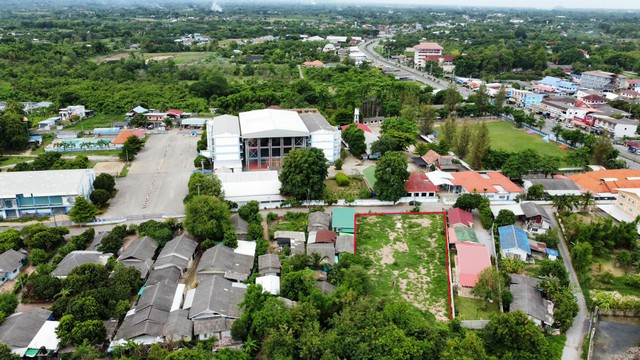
(604, 184)
(124, 135)
(430, 157)
(314, 63)
(494, 184)
(472, 258)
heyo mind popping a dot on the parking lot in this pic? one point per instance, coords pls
(157, 180)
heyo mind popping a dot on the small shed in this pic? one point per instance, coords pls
(345, 244)
(328, 251)
(268, 264)
(322, 236)
(318, 221)
(343, 220)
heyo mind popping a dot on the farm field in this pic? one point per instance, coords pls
(409, 258)
(505, 136)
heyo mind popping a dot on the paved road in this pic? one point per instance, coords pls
(577, 332)
(157, 180)
(367, 48)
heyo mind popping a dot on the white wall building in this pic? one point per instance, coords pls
(223, 142)
(324, 136)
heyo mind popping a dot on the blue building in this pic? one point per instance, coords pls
(42, 193)
(560, 86)
(514, 242)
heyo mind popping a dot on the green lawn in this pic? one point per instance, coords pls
(370, 174)
(505, 136)
(556, 345)
(472, 309)
(355, 188)
(96, 121)
(10, 160)
(409, 259)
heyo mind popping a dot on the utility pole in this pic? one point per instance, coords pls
(127, 152)
(198, 184)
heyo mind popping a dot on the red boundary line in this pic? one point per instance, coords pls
(446, 242)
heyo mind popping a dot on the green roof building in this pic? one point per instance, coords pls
(343, 219)
(465, 234)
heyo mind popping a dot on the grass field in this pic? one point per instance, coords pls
(409, 256)
(370, 174)
(180, 58)
(505, 136)
(10, 160)
(556, 345)
(97, 121)
(355, 188)
(472, 309)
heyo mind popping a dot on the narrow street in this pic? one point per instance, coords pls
(577, 332)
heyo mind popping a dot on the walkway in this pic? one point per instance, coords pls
(577, 332)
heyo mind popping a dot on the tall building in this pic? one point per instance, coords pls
(424, 50)
(601, 80)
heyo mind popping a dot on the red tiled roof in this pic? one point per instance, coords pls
(326, 236)
(314, 63)
(360, 126)
(124, 135)
(472, 181)
(419, 182)
(607, 181)
(430, 157)
(594, 97)
(459, 216)
(471, 260)
(630, 93)
(634, 81)
(434, 58)
(428, 46)
(448, 58)
(175, 112)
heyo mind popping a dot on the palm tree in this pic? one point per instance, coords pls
(564, 203)
(316, 260)
(250, 346)
(587, 201)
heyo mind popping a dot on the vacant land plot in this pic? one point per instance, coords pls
(355, 188)
(505, 136)
(97, 121)
(474, 309)
(410, 260)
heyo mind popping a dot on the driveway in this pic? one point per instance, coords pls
(158, 178)
(577, 332)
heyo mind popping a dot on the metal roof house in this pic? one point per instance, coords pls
(224, 145)
(242, 187)
(223, 261)
(11, 262)
(139, 254)
(514, 242)
(269, 283)
(27, 332)
(268, 264)
(327, 251)
(324, 136)
(179, 253)
(527, 297)
(318, 221)
(345, 244)
(343, 220)
(471, 260)
(77, 258)
(457, 216)
(36, 193)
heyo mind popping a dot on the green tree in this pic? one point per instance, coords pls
(43, 287)
(250, 211)
(391, 175)
(10, 239)
(482, 99)
(385, 144)
(452, 99)
(488, 285)
(303, 173)
(464, 140)
(535, 192)
(427, 116)
(7, 354)
(92, 331)
(467, 347)
(450, 130)
(230, 239)
(499, 99)
(83, 211)
(204, 184)
(505, 217)
(131, 148)
(201, 161)
(582, 256)
(207, 217)
(13, 131)
(354, 137)
(37, 256)
(403, 130)
(99, 197)
(469, 202)
(105, 182)
(8, 303)
(513, 336)
(480, 147)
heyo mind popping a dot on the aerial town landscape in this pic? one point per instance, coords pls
(318, 180)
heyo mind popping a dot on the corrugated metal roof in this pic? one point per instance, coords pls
(512, 237)
(224, 124)
(315, 122)
(272, 123)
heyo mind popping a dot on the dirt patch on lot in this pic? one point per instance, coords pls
(386, 255)
(114, 57)
(159, 58)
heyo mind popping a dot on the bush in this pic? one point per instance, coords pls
(158, 231)
(342, 179)
(37, 256)
(338, 164)
(271, 217)
(200, 160)
(249, 211)
(231, 239)
(99, 197)
(104, 182)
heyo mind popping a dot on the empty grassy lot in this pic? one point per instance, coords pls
(505, 136)
(409, 256)
(474, 309)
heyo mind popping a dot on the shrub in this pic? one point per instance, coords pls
(99, 197)
(271, 217)
(37, 256)
(254, 232)
(249, 211)
(342, 179)
(104, 182)
(338, 164)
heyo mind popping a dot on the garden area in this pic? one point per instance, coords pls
(474, 309)
(505, 136)
(347, 187)
(409, 259)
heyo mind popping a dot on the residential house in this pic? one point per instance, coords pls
(423, 50)
(39, 193)
(268, 264)
(470, 260)
(318, 221)
(11, 262)
(604, 184)
(343, 220)
(457, 216)
(558, 185)
(178, 326)
(30, 332)
(270, 283)
(514, 242)
(626, 207)
(75, 112)
(240, 225)
(49, 123)
(461, 233)
(171, 274)
(618, 128)
(445, 163)
(527, 297)
(215, 301)
(525, 98)
(322, 237)
(629, 94)
(178, 253)
(224, 261)
(536, 218)
(137, 110)
(156, 119)
(124, 135)
(140, 254)
(176, 114)
(431, 157)
(326, 250)
(493, 185)
(293, 239)
(77, 258)
(602, 80)
(345, 244)
(420, 188)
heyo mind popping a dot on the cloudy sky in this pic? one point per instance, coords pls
(596, 4)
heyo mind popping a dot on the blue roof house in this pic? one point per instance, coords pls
(514, 242)
(559, 85)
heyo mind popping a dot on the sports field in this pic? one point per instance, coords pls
(409, 253)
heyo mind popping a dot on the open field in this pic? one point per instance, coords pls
(409, 253)
(11, 160)
(355, 187)
(180, 58)
(96, 121)
(472, 309)
(505, 136)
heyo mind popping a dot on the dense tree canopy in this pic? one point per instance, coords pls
(391, 176)
(303, 174)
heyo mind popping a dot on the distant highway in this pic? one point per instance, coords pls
(367, 47)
